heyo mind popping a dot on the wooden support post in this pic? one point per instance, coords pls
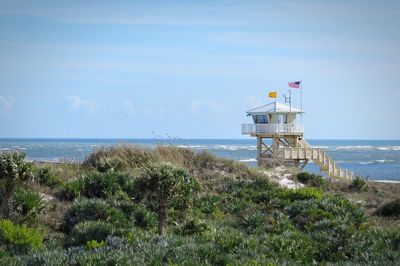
(259, 150)
(275, 147)
(334, 169)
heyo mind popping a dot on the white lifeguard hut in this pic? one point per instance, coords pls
(279, 122)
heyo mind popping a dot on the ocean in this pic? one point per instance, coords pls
(375, 159)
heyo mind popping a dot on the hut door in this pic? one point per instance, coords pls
(281, 119)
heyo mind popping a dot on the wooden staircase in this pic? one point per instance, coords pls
(306, 152)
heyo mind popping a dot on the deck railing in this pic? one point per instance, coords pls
(272, 128)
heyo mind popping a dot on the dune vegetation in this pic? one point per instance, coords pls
(128, 205)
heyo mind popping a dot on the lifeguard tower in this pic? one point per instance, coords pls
(278, 122)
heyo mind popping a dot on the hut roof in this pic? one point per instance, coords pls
(274, 107)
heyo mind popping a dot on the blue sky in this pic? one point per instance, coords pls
(126, 69)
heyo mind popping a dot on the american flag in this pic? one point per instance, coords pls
(295, 85)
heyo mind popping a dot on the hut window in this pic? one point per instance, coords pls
(260, 119)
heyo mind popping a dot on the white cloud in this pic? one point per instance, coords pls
(76, 103)
(128, 106)
(7, 102)
(206, 105)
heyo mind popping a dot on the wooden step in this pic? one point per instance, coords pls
(319, 156)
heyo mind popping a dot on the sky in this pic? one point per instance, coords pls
(191, 69)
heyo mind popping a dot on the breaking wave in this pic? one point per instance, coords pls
(235, 148)
(248, 160)
(384, 161)
(360, 147)
(389, 148)
(321, 147)
(354, 148)
(369, 162)
(197, 147)
(220, 147)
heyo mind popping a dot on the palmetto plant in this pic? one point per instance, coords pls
(165, 182)
(13, 171)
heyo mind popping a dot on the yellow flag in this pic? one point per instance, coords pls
(273, 94)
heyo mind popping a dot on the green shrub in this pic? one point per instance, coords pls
(136, 236)
(56, 257)
(19, 238)
(218, 214)
(207, 204)
(71, 190)
(311, 216)
(3, 253)
(103, 185)
(144, 218)
(278, 222)
(301, 193)
(309, 213)
(242, 193)
(389, 209)
(93, 244)
(357, 184)
(390, 238)
(46, 178)
(236, 185)
(99, 185)
(376, 247)
(336, 239)
(28, 204)
(292, 245)
(261, 184)
(237, 205)
(229, 239)
(310, 179)
(84, 209)
(13, 171)
(253, 221)
(193, 227)
(264, 197)
(89, 230)
(106, 164)
(122, 202)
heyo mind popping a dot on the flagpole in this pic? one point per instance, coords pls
(301, 101)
